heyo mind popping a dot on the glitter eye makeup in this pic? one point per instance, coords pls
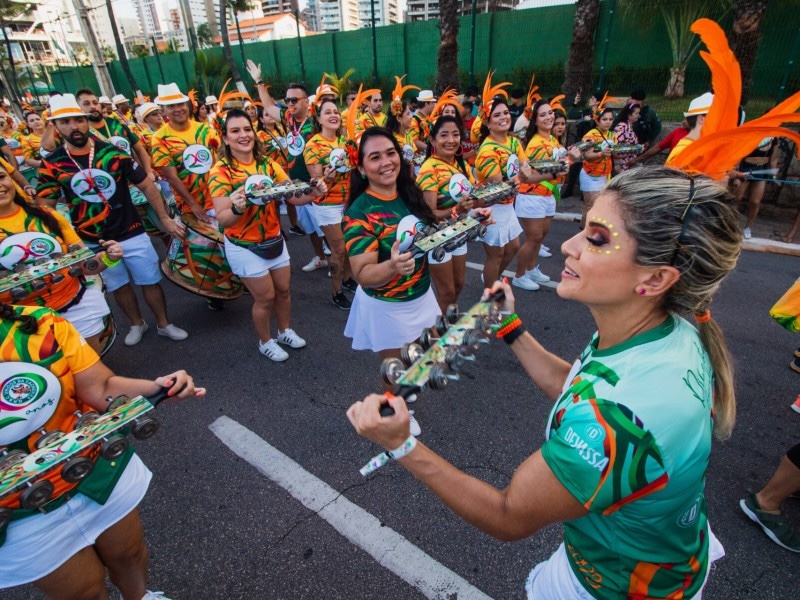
(598, 246)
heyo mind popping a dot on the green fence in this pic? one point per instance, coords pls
(514, 43)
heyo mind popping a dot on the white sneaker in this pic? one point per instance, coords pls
(544, 252)
(525, 283)
(325, 250)
(135, 334)
(273, 351)
(172, 332)
(291, 339)
(747, 233)
(413, 426)
(154, 596)
(314, 264)
(536, 275)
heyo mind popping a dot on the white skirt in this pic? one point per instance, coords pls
(532, 206)
(328, 214)
(380, 325)
(36, 546)
(307, 219)
(88, 314)
(592, 184)
(506, 227)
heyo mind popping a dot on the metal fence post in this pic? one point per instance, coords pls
(472, 43)
(374, 46)
(299, 47)
(611, 7)
(789, 64)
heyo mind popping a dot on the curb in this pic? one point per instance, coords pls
(753, 244)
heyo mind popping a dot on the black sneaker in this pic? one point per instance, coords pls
(296, 230)
(341, 301)
(350, 284)
(215, 304)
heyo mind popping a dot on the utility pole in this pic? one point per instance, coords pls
(95, 54)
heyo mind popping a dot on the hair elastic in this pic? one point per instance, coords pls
(703, 317)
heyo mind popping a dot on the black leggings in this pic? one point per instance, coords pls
(794, 455)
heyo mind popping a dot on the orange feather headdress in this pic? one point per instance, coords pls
(722, 144)
(225, 97)
(598, 110)
(489, 94)
(193, 97)
(396, 106)
(555, 103)
(352, 115)
(533, 96)
(448, 97)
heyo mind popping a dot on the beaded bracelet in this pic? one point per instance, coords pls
(377, 462)
(104, 258)
(510, 329)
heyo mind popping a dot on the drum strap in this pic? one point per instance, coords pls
(75, 300)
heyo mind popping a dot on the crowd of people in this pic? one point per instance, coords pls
(654, 246)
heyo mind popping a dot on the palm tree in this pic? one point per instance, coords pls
(226, 42)
(123, 58)
(745, 37)
(213, 71)
(447, 61)
(578, 75)
(236, 7)
(342, 84)
(8, 11)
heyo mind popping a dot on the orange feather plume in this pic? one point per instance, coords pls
(489, 93)
(598, 110)
(555, 103)
(533, 92)
(448, 97)
(352, 114)
(235, 94)
(396, 105)
(193, 97)
(726, 77)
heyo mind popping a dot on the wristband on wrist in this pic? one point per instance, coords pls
(403, 450)
(104, 258)
(235, 211)
(258, 83)
(510, 329)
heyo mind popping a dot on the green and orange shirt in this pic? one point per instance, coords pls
(24, 239)
(503, 158)
(370, 225)
(630, 438)
(447, 180)
(406, 142)
(191, 152)
(31, 145)
(258, 222)
(115, 132)
(319, 151)
(541, 148)
(96, 194)
(420, 128)
(275, 146)
(367, 120)
(297, 134)
(603, 166)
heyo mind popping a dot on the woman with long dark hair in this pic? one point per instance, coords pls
(598, 163)
(254, 246)
(626, 119)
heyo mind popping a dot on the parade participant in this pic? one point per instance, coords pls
(212, 103)
(273, 138)
(443, 172)
(32, 142)
(183, 151)
(399, 119)
(106, 106)
(320, 150)
(252, 112)
(201, 114)
(349, 98)
(29, 233)
(373, 116)
(123, 108)
(90, 529)
(536, 201)
(695, 119)
(629, 436)
(500, 158)
(94, 176)
(598, 165)
(448, 105)
(668, 143)
(9, 142)
(420, 124)
(625, 132)
(762, 158)
(648, 126)
(254, 246)
(559, 130)
(150, 120)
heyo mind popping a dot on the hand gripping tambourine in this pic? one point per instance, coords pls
(436, 361)
(28, 278)
(263, 193)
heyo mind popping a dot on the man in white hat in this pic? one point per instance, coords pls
(420, 129)
(123, 108)
(212, 104)
(184, 151)
(106, 106)
(93, 176)
(373, 116)
(150, 120)
(695, 117)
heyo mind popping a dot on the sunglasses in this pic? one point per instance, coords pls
(293, 100)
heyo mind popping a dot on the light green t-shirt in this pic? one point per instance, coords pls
(630, 438)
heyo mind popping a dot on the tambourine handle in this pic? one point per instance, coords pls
(404, 392)
(497, 296)
(161, 395)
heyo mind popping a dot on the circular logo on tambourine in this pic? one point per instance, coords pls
(458, 186)
(93, 185)
(279, 143)
(29, 396)
(198, 159)
(121, 143)
(13, 143)
(408, 227)
(512, 166)
(559, 153)
(295, 144)
(408, 153)
(255, 186)
(338, 160)
(26, 247)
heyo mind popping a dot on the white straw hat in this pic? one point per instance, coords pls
(700, 105)
(104, 100)
(118, 99)
(170, 94)
(426, 96)
(64, 107)
(211, 100)
(326, 90)
(145, 109)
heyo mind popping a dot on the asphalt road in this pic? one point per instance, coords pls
(217, 528)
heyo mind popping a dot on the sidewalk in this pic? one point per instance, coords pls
(569, 209)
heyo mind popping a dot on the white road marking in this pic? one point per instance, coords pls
(510, 274)
(386, 546)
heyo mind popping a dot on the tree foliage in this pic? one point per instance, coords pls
(578, 75)
(204, 37)
(447, 60)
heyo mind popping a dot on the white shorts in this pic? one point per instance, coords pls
(37, 545)
(506, 227)
(554, 579)
(307, 220)
(531, 206)
(246, 264)
(139, 260)
(88, 314)
(380, 325)
(329, 214)
(592, 184)
(460, 251)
